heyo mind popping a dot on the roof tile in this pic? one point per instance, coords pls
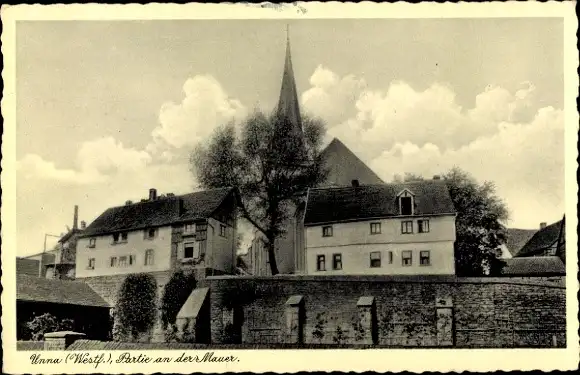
(374, 201)
(37, 289)
(160, 212)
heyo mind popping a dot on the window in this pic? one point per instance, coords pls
(189, 228)
(407, 227)
(188, 250)
(406, 204)
(149, 257)
(223, 230)
(407, 258)
(327, 231)
(150, 233)
(390, 257)
(320, 263)
(375, 259)
(119, 237)
(336, 261)
(91, 265)
(113, 262)
(423, 226)
(375, 228)
(132, 260)
(425, 258)
(123, 261)
(92, 242)
(191, 250)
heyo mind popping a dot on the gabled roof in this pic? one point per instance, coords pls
(69, 234)
(517, 238)
(159, 212)
(543, 239)
(344, 166)
(326, 205)
(38, 289)
(534, 266)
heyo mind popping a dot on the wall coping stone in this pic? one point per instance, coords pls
(63, 334)
(193, 304)
(428, 279)
(365, 301)
(294, 300)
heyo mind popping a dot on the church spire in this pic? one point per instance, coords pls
(288, 103)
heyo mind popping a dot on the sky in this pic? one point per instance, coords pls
(108, 109)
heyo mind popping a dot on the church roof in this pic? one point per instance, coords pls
(288, 105)
(344, 166)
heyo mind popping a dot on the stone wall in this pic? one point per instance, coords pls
(411, 311)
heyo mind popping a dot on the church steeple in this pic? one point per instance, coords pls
(288, 103)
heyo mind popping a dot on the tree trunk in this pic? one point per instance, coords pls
(270, 245)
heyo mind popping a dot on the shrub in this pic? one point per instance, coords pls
(136, 305)
(46, 323)
(175, 293)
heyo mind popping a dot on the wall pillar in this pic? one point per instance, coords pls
(294, 312)
(366, 326)
(61, 340)
(445, 320)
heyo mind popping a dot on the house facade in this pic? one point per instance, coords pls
(196, 230)
(389, 229)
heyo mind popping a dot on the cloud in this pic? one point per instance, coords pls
(107, 155)
(34, 167)
(380, 118)
(332, 98)
(525, 161)
(204, 107)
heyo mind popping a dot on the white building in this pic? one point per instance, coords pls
(388, 229)
(196, 230)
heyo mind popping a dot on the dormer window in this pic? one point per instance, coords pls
(406, 202)
(189, 228)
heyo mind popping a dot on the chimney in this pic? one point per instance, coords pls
(436, 177)
(76, 218)
(152, 194)
(543, 225)
(83, 224)
(355, 183)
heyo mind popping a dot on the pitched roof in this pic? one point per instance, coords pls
(543, 239)
(534, 266)
(517, 238)
(69, 234)
(25, 266)
(38, 289)
(344, 166)
(373, 201)
(159, 212)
